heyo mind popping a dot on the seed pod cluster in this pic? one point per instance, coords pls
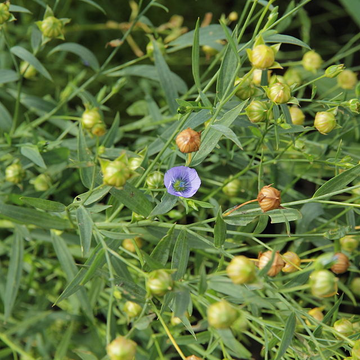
(188, 141)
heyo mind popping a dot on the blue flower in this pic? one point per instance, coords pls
(182, 181)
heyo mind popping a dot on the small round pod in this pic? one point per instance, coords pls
(269, 198)
(342, 263)
(347, 80)
(155, 180)
(121, 348)
(232, 188)
(277, 264)
(116, 172)
(311, 61)
(132, 309)
(257, 111)
(279, 93)
(193, 357)
(129, 245)
(241, 270)
(90, 118)
(316, 313)
(52, 27)
(246, 90)
(293, 76)
(344, 327)
(188, 141)
(99, 129)
(349, 243)
(221, 315)
(14, 173)
(159, 282)
(4, 12)
(292, 262)
(323, 283)
(325, 122)
(262, 56)
(297, 116)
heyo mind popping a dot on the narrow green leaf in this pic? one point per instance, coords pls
(226, 131)
(34, 217)
(16, 8)
(94, 4)
(95, 195)
(181, 302)
(219, 230)
(161, 251)
(85, 225)
(86, 165)
(171, 93)
(84, 53)
(353, 9)
(168, 201)
(232, 344)
(180, 256)
(203, 280)
(7, 76)
(133, 198)
(62, 347)
(286, 113)
(112, 134)
(5, 118)
(32, 152)
(339, 181)
(14, 273)
(84, 354)
(27, 56)
(286, 39)
(43, 204)
(288, 336)
(196, 56)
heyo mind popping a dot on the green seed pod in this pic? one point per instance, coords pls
(135, 162)
(159, 282)
(325, 122)
(232, 188)
(347, 80)
(132, 309)
(279, 93)
(14, 173)
(90, 118)
(42, 182)
(355, 352)
(121, 349)
(4, 12)
(334, 70)
(221, 315)
(27, 70)
(349, 243)
(99, 129)
(323, 283)
(129, 245)
(297, 116)
(316, 313)
(261, 56)
(354, 106)
(257, 74)
(258, 111)
(241, 324)
(355, 286)
(155, 180)
(312, 61)
(52, 27)
(115, 173)
(246, 90)
(292, 76)
(241, 270)
(344, 327)
(292, 262)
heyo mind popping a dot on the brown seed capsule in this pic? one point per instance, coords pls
(277, 265)
(316, 313)
(292, 262)
(269, 198)
(188, 141)
(193, 357)
(341, 265)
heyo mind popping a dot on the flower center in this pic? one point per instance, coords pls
(180, 185)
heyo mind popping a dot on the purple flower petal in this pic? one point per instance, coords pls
(182, 181)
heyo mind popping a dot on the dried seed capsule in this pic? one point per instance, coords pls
(193, 357)
(159, 282)
(279, 93)
(221, 315)
(188, 141)
(341, 265)
(297, 116)
(121, 349)
(262, 56)
(292, 262)
(258, 111)
(347, 80)
(349, 243)
(269, 198)
(132, 309)
(241, 270)
(277, 264)
(325, 122)
(344, 327)
(323, 283)
(311, 61)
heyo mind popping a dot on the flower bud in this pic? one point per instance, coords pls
(241, 270)
(349, 243)
(135, 162)
(292, 76)
(257, 74)
(129, 245)
(279, 93)
(90, 118)
(261, 56)
(246, 90)
(42, 182)
(292, 262)
(355, 286)
(121, 349)
(344, 327)
(311, 61)
(277, 264)
(115, 173)
(342, 263)
(241, 324)
(269, 198)
(221, 315)
(353, 105)
(297, 116)
(347, 80)
(99, 129)
(132, 309)
(14, 173)
(159, 282)
(193, 357)
(150, 48)
(4, 12)
(232, 188)
(27, 70)
(316, 313)
(258, 111)
(355, 352)
(155, 180)
(325, 122)
(323, 283)
(52, 27)
(334, 70)
(188, 140)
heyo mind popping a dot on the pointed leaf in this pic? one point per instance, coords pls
(8, 76)
(226, 131)
(180, 256)
(32, 152)
(86, 165)
(43, 204)
(195, 56)
(287, 337)
(219, 230)
(168, 201)
(85, 225)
